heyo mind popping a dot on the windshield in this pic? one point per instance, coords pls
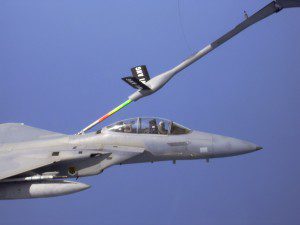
(148, 126)
(179, 129)
(126, 126)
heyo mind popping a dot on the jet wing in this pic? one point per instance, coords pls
(119, 154)
(14, 162)
(18, 132)
(17, 162)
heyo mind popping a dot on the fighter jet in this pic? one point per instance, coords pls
(34, 162)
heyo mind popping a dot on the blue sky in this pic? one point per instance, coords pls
(61, 63)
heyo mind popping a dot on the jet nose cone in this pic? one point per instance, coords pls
(227, 146)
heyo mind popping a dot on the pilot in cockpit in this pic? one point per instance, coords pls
(127, 128)
(153, 127)
(162, 128)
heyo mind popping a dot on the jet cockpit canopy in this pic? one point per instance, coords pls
(147, 126)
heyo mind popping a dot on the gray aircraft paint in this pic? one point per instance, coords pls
(30, 168)
(33, 161)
